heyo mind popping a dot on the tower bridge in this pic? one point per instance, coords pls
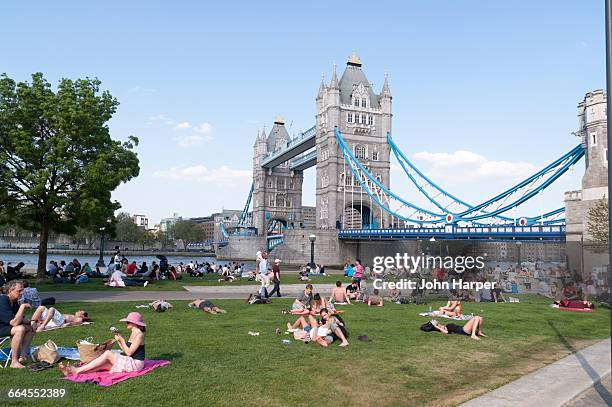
(351, 147)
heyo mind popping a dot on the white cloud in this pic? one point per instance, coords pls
(222, 176)
(182, 126)
(204, 128)
(190, 141)
(161, 118)
(467, 166)
(584, 44)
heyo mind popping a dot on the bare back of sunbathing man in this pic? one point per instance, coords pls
(52, 318)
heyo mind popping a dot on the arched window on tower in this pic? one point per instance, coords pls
(364, 102)
(349, 117)
(360, 152)
(356, 101)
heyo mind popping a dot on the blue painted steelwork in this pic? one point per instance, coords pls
(274, 241)
(553, 232)
(560, 166)
(245, 212)
(304, 162)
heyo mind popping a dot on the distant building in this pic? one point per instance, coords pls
(229, 218)
(141, 221)
(207, 223)
(309, 217)
(167, 223)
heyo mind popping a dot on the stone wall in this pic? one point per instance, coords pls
(241, 248)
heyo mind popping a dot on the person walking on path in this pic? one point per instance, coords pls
(276, 278)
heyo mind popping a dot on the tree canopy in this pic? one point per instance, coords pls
(597, 222)
(58, 162)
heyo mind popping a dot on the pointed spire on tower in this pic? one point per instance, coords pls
(334, 80)
(385, 89)
(321, 87)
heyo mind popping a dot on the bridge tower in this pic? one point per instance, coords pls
(364, 119)
(277, 193)
(593, 134)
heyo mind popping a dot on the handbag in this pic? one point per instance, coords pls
(89, 351)
(47, 352)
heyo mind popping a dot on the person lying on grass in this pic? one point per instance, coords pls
(206, 306)
(160, 306)
(130, 360)
(452, 309)
(375, 299)
(579, 304)
(339, 295)
(473, 328)
(51, 318)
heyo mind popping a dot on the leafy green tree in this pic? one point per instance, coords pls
(126, 230)
(165, 238)
(58, 162)
(597, 222)
(146, 237)
(188, 231)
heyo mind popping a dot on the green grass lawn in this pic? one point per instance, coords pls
(215, 362)
(96, 284)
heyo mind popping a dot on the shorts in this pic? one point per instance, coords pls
(307, 328)
(124, 364)
(206, 304)
(57, 320)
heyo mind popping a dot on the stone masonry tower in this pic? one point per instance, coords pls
(593, 134)
(278, 192)
(364, 119)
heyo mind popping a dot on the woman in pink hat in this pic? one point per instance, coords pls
(130, 360)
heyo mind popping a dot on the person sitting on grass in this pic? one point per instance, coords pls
(339, 295)
(130, 360)
(160, 306)
(352, 291)
(51, 318)
(304, 299)
(395, 295)
(318, 303)
(473, 328)
(118, 279)
(452, 308)
(82, 277)
(13, 323)
(226, 275)
(206, 306)
(375, 299)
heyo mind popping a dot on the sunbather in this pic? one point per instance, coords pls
(472, 328)
(132, 358)
(339, 294)
(452, 309)
(375, 299)
(206, 306)
(52, 318)
(160, 306)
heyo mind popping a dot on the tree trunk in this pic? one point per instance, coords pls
(42, 250)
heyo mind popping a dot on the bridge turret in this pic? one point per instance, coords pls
(385, 106)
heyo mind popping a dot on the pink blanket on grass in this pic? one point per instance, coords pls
(108, 379)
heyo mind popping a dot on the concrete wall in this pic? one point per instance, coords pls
(241, 248)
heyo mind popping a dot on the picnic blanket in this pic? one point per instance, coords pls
(66, 353)
(461, 318)
(571, 309)
(106, 379)
(67, 325)
(314, 314)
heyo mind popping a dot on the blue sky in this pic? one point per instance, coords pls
(196, 81)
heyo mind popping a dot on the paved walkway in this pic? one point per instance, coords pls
(208, 292)
(556, 384)
(597, 396)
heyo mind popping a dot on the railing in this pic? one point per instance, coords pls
(552, 232)
(274, 241)
(311, 132)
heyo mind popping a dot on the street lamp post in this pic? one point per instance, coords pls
(101, 259)
(312, 242)
(608, 22)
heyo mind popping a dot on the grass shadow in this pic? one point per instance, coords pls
(170, 355)
(598, 386)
